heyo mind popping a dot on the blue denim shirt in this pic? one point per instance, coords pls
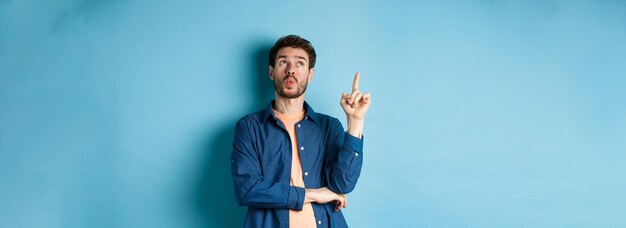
(261, 166)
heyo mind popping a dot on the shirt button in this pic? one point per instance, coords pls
(319, 222)
(301, 148)
(298, 125)
(356, 154)
(306, 173)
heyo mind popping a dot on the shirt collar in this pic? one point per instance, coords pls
(309, 112)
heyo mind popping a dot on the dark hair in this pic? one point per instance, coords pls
(293, 41)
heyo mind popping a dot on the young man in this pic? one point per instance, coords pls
(292, 166)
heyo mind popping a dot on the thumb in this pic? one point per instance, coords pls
(344, 96)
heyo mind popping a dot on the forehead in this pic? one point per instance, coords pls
(291, 52)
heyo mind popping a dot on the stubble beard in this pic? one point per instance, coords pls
(280, 90)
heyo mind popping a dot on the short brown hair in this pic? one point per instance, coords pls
(293, 41)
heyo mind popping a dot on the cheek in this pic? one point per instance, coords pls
(303, 70)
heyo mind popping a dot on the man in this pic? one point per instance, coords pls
(292, 166)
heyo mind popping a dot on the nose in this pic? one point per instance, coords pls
(290, 70)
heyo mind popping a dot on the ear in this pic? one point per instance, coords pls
(311, 72)
(271, 73)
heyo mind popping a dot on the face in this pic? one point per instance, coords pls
(291, 72)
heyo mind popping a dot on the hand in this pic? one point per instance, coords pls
(325, 195)
(355, 105)
(342, 203)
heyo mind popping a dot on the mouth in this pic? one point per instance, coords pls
(290, 81)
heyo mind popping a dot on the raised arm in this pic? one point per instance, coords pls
(346, 148)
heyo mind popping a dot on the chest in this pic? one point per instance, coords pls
(276, 151)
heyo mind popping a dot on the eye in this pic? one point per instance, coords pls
(300, 63)
(282, 62)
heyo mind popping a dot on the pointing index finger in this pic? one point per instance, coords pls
(355, 85)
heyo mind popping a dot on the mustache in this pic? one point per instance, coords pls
(292, 77)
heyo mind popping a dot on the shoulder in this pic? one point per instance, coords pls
(326, 118)
(323, 119)
(250, 120)
(327, 121)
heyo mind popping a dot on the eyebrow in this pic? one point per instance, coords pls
(299, 57)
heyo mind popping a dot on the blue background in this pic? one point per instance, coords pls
(484, 114)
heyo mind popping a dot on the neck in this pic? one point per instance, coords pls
(289, 105)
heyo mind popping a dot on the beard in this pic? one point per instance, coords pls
(279, 86)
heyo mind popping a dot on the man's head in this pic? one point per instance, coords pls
(291, 65)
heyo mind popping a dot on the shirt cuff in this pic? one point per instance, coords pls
(353, 144)
(296, 198)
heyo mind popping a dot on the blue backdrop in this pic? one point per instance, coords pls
(484, 114)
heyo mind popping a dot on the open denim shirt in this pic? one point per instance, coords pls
(261, 166)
